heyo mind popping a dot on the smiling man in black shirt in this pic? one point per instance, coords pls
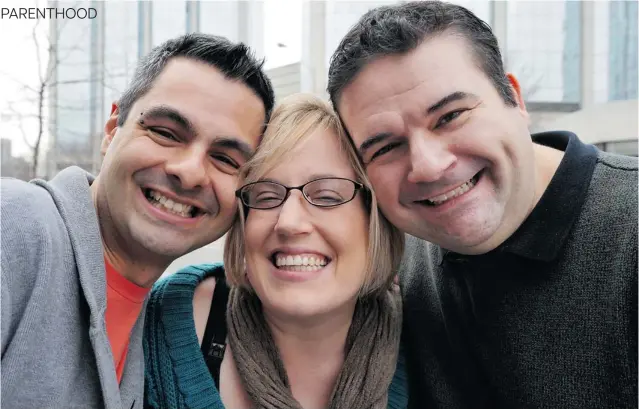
(520, 278)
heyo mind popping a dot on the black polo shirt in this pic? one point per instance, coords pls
(546, 320)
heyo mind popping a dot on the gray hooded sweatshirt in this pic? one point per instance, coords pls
(55, 349)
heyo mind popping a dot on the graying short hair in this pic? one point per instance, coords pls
(234, 60)
(401, 28)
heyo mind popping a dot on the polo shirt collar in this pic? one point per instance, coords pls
(543, 233)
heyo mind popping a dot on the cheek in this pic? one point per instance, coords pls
(129, 154)
(349, 234)
(386, 181)
(493, 136)
(224, 186)
(257, 229)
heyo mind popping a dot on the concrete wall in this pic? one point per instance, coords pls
(286, 80)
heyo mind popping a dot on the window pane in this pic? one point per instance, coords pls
(169, 20)
(544, 49)
(341, 15)
(623, 50)
(120, 49)
(72, 121)
(282, 42)
(220, 18)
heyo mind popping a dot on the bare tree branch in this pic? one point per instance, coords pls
(30, 104)
(34, 35)
(12, 78)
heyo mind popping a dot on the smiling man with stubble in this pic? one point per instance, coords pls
(79, 254)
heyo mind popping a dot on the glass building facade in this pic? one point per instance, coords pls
(566, 54)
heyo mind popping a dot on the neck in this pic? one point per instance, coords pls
(320, 336)
(125, 255)
(547, 162)
(312, 352)
(141, 274)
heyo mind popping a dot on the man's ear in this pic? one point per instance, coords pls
(110, 128)
(516, 90)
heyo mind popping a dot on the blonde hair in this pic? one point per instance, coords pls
(292, 123)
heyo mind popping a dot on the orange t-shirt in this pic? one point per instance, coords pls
(124, 303)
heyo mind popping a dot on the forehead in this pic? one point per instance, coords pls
(319, 154)
(213, 103)
(440, 65)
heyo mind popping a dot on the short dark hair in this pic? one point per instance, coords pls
(235, 60)
(401, 28)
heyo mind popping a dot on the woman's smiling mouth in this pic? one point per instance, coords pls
(302, 262)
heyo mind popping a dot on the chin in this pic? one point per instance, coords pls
(299, 307)
(154, 243)
(470, 241)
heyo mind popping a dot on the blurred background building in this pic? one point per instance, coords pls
(572, 58)
(576, 62)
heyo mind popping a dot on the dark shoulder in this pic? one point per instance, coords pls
(616, 174)
(613, 191)
(420, 258)
(621, 163)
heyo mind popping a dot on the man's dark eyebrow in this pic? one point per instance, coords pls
(233, 143)
(172, 114)
(455, 96)
(371, 141)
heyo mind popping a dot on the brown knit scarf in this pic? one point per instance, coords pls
(372, 346)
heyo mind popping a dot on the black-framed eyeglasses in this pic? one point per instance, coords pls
(323, 192)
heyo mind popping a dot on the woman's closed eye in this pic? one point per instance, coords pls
(326, 196)
(267, 198)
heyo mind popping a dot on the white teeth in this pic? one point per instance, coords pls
(162, 202)
(439, 199)
(306, 262)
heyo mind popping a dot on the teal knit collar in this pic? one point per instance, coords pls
(171, 333)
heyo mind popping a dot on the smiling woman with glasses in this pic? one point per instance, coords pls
(311, 317)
